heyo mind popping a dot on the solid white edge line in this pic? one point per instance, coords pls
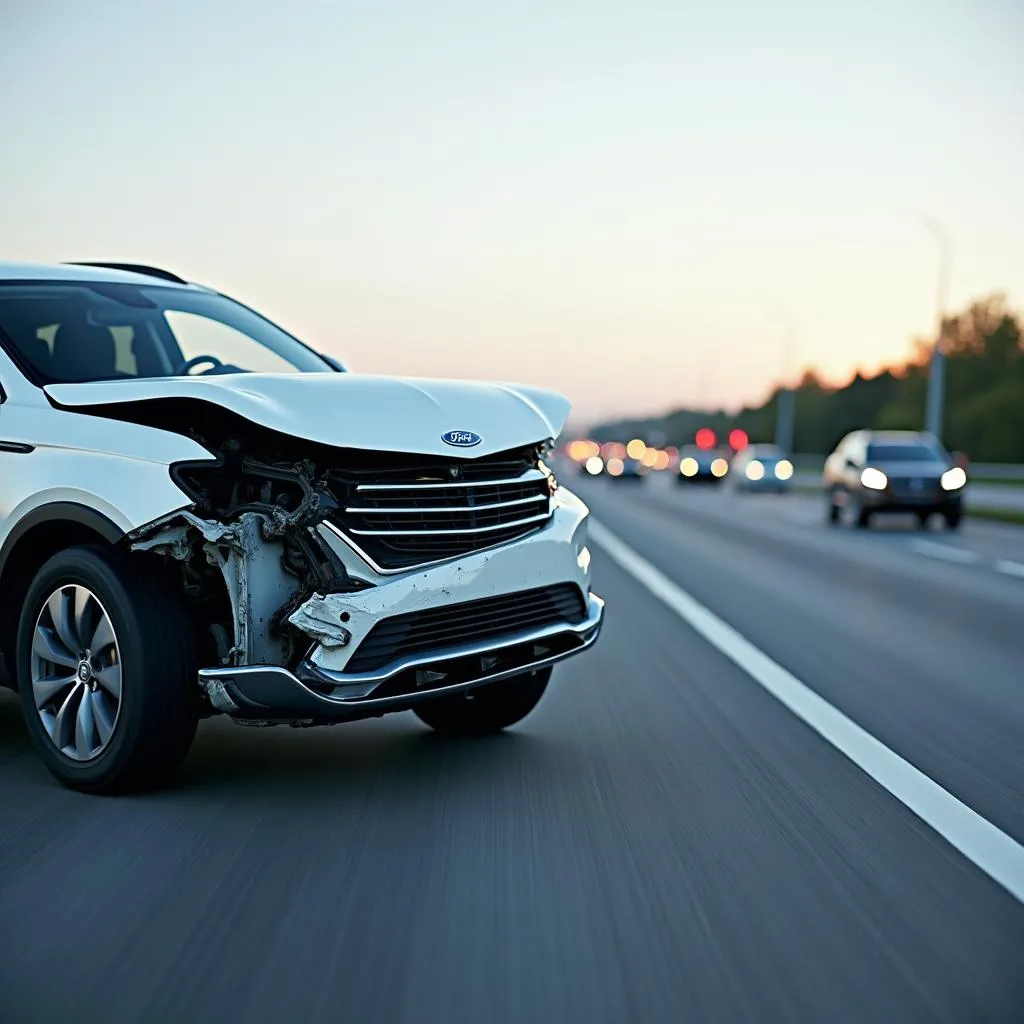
(946, 552)
(1004, 565)
(988, 848)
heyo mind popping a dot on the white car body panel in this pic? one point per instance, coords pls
(355, 410)
(118, 469)
(71, 443)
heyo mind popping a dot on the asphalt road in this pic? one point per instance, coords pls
(661, 841)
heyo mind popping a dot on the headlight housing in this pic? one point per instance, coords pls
(874, 479)
(953, 479)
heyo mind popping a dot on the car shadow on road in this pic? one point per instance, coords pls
(398, 754)
(13, 735)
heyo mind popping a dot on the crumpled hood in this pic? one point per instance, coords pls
(353, 410)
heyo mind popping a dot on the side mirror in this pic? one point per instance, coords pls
(333, 363)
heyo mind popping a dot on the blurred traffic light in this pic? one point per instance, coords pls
(705, 438)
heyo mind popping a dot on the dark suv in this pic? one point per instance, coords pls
(892, 471)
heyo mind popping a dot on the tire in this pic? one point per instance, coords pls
(863, 518)
(148, 707)
(487, 710)
(952, 520)
(833, 511)
(923, 519)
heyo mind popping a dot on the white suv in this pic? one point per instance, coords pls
(201, 515)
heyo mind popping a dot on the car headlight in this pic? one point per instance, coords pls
(953, 479)
(594, 465)
(755, 470)
(688, 467)
(783, 469)
(719, 467)
(874, 479)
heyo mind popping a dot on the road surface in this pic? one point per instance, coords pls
(663, 840)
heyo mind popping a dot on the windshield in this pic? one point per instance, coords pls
(70, 333)
(902, 453)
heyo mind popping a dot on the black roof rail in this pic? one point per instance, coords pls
(134, 268)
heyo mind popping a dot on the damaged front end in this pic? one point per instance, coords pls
(276, 605)
(250, 538)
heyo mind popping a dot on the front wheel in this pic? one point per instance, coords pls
(106, 672)
(832, 510)
(952, 519)
(488, 709)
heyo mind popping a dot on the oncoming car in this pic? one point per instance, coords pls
(761, 467)
(701, 465)
(200, 515)
(893, 471)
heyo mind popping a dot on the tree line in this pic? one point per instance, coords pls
(984, 406)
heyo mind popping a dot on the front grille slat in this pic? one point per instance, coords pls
(453, 625)
(401, 520)
(387, 509)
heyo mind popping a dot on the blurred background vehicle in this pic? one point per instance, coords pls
(626, 469)
(892, 471)
(701, 465)
(761, 467)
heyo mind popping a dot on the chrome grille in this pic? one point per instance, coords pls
(442, 511)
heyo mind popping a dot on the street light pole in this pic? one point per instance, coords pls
(785, 418)
(937, 365)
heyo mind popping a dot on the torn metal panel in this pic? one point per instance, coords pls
(320, 618)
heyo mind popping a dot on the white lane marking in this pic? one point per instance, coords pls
(994, 852)
(1004, 565)
(946, 552)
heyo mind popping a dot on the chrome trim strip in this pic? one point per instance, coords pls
(450, 508)
(338, 707)
(416, 566)
(595, 607)
(430, 532)
(530, 474)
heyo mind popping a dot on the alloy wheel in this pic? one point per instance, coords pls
(76, 672)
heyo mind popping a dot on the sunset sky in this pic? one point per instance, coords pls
(624, 201)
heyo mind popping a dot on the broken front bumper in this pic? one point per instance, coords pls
(312, 694)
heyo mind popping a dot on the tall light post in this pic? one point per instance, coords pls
(785, 418)
(937, 364)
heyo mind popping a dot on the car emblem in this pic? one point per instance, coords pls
(461, 438)
(83, 673)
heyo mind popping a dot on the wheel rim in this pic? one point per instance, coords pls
(76, 673)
